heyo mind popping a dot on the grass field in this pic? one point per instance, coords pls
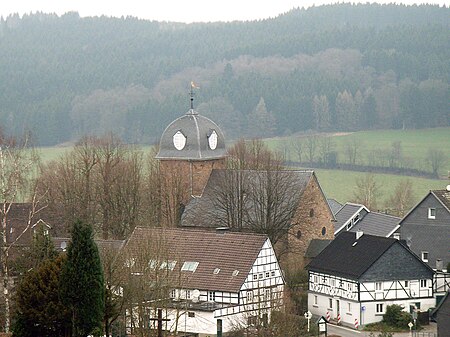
(415, 145)
(339, 184)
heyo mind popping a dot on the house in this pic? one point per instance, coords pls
(441, 315)
(208, 276)
(356, 217)
(357, 276)
(426, 229)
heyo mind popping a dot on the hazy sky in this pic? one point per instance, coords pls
(173, 10)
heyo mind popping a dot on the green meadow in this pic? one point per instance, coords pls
(340, 184)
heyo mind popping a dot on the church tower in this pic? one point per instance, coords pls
(190, 148)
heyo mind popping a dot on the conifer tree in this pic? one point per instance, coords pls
(82, 287)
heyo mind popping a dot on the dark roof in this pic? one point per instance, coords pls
(344, 258)
(196, 128)
(435, 311)
(228, 251)
(209, 211)
(444, 197)
(378, 224)
(335, 205)
(19, 218)
(315, 247)
(346, 213)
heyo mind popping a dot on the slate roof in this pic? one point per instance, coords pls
(342, 257)
(443, 196)
(315, 247)
(345, 213)
(372, 223)
(207, 211)
(196, 128)
(228, 251)
(335, 205)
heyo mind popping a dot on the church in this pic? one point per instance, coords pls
(200, 191)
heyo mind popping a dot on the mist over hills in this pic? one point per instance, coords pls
(329, 68)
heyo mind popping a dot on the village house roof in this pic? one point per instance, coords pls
(335, 205)
(356, 217)
(222, 259)
(349, 257)
(315, 247)
(443, 196)
(192, 137)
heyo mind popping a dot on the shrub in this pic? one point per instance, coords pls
(396, 317)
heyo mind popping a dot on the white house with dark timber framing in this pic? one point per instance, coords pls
(357, 276)
(213, 277)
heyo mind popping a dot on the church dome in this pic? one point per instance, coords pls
(192, 137)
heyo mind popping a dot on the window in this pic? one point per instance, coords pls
(377, 285)
(267, 294)
(349, 307)
(333, 282)
(255, 276)
(216, 271)
(267, 274)
(191, 314)
(379, 308)
(260, 275)
(425, 256)
(349, 225)
(356, 219)
(324, 231)
(212, 296)
(152, 264)
(272, 273)
(249, 296)
(235, 272)
(169, 265)
(330, 303)
(315, 300)
(349, 286)
(431, 213)
(316, 279)
(173, 293)
(397, 236)
(299, 234)
(406, 284)
(188, 294)
(189, 266)
(311, 212)
(423, 283)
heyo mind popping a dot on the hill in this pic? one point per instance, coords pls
(329, 68)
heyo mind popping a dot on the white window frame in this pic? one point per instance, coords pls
(189, 266)
(330, 303)
(315, 299)
(425, 256)
(349, 307)
(423, 283)
(378, 286)
(431, 213)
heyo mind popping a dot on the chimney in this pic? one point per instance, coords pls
(439, 265)
(359, 233)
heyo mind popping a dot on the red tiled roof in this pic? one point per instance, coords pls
(228, 251)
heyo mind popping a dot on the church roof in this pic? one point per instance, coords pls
(192, 137)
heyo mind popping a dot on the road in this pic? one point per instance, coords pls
(346, 332)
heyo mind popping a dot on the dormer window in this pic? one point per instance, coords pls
(425, 256)
(431, 213)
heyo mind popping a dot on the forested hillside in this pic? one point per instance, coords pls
(329, 68)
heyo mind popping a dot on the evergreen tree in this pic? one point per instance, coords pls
(82, 288)
(39, 311)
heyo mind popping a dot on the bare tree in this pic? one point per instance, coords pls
(326, 151)
(18, 161)
(436, 159)
(311, 147)
(352, 148)
(299, 148)
(367, 191)
(99, 182)
(402, 199)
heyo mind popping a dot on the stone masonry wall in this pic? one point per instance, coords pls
(312, 221)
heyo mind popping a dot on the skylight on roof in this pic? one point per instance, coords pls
(168, 265)
(189, 266)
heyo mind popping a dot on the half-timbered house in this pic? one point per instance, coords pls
(210, 278)
(357, 276)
